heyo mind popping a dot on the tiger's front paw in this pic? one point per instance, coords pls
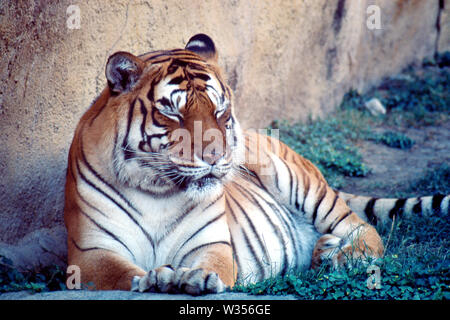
(182, 280)
(341, 252)
(327, 250)
(346, 252)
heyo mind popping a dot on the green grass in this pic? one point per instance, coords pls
(50, 278)
(393, 139)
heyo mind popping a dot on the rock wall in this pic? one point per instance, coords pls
(284, 59)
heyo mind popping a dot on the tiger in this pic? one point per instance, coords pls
(165, 192)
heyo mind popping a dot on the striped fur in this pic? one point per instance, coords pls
(383, 210)
(150, 208)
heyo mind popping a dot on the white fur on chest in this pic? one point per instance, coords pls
(170, 222)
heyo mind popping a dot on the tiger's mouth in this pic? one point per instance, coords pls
(202, 183)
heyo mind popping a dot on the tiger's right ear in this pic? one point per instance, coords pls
(123, 71)
(204, 46)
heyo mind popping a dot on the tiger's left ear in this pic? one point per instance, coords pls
(203, 45)
(123, 71)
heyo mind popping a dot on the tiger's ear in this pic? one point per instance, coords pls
(123, 71)
(203, 45)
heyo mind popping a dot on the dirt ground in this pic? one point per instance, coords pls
(394, 169)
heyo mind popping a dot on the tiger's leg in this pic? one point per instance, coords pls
(296, 183)
(102, 269)
(346, 237)
(207, 269)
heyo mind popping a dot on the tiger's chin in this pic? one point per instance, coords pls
(206, 187)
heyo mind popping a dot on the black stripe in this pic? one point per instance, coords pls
(369, 211)
(70, 172)
(397, 210)
(165, 102)
(199, 230)
(176, 80)
(85, 249)
(276, 229)
(109, 233)
(436, 203)
(177, 221)
(218, 80)
(276, 177)
(115, 150)
(155, 136)
(228, 205)
(150, 94)
(213, 202)
(144, 118)
(256, 259)
(291, 180)
(156, 122)
(200, 247)
(306, 187)
(253, 177)
(83, 177)
(288, 224)
(322, 194)
(203, 76)
(252, 227)
(343, 217)
(294, 190)
(235, 257)
(285, 216)
(336, 197)
(174, 65)
(296, 203)
(128, 153)
(156, 56)
(205, 283)
(417, 209)
(180, 54)
(162, 60)
(98, 176)
(196, 66)
(88, 204)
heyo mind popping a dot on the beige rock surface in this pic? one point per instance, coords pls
(284, 59)
(444, 26)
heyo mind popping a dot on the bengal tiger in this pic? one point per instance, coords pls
(165, 192)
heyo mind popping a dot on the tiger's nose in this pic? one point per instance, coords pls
(211, 157)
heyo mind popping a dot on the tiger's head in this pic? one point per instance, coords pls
(175, 125)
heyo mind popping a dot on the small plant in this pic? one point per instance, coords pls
(394, 140)
(50, 278)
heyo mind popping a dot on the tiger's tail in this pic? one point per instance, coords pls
(383, 210)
